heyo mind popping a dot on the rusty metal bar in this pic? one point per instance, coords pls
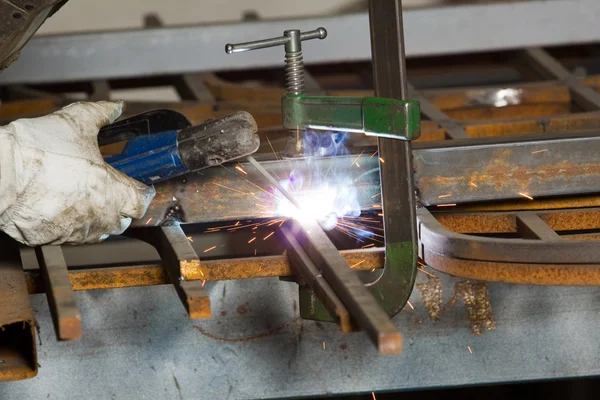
(61, 298)
(531, 226)
(437, 239)
(110, 277)
(548, 67)
(306, 234)
(181, 263)
(18, 355)
(363, 307)
(474, 170)
(308, 271)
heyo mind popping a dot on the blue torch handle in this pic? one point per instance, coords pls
(150, 158)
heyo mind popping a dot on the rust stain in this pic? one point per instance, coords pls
(494, 222)
(247, 338)
(474, 296)
(243, 308)
(431, 294)
(476, 300)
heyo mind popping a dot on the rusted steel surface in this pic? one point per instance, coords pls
(505, 222)
(61, 299)
(181, 263)
(499, 170)
(362, 305)
(18, 354)
(210, 270)
(311, 275)
(434, 237)
(537, 204)
(521, 273)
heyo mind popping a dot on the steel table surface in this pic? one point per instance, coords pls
(139, 343)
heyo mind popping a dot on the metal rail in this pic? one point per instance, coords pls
(174, 50)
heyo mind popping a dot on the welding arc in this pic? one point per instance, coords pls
(274, 182)
(347, 287)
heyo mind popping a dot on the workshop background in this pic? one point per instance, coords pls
(88, 15)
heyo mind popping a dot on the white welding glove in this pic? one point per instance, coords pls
(55, 187)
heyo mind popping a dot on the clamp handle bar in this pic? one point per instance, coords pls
(290, 38)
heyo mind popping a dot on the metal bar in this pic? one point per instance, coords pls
(110, 276)
(313, 277)
(513, 272)
(498, 170)
(188, 86)
(363, 307)
(347, 286)
(449, 172)
(430, 31)
(18, 355)
(61, 299)
(437, 239)
(181, 263)
(548, 67)
(531, 226)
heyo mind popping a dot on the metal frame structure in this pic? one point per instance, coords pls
(438, 301)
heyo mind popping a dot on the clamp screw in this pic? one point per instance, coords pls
(294, 66)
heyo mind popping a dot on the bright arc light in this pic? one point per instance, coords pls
(325, 204)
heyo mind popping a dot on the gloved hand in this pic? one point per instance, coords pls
(55, 187)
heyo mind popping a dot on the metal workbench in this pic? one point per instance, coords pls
(139, 343)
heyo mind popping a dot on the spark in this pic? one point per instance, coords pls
(473, 184)
(409, 304)
(149, 219)
(358, 263)
(233, 190)
(381, 159)
(368, 245)
(372, 155)
(324, 346)
(447, 205)
(380, 215)
(358, 165)
(190, 239)
(373, 270)
(525, 195)
(269, 235)
(202, 273)
(210, 248)
(203, 282)
(445, 195)
(239, 168)
(539, 151)
(356, 159)
(237, 223)
(373, 394)
(281, 223)
(470, 351)
(425, 272)
(254, 251)
(375, 195)
(252, 240)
